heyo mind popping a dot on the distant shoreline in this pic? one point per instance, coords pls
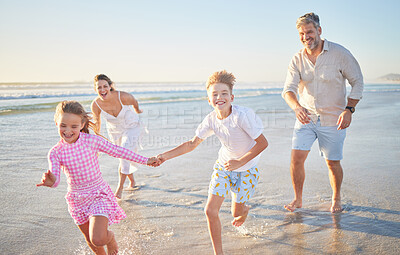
(191, 82)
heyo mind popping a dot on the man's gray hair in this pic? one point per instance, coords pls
(307, 19)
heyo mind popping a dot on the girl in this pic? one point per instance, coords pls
(120, 110)
(90, 200)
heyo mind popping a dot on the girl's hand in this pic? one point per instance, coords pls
(139, 111)
(232, 165)
(48, 179)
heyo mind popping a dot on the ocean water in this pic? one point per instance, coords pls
(165, 216)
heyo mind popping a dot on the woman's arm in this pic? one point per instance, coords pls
(96, 116)
(128, 99)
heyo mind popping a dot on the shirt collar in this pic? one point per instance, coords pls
(324, 48)
(326, 45)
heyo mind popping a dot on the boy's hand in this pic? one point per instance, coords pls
(153, 161)
(48, 179)
(161, 158)
(232, 164)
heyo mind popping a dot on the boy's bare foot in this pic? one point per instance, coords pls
(112, 246)
(336, 206)
(238, 221)
(118, 193)
(293, 205)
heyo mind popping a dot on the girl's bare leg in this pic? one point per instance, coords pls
(85, 230)
(100, 235)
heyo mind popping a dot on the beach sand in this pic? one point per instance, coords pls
(165, 215)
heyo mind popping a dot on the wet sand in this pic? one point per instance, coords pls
(165, 216)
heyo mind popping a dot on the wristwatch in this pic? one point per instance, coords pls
(351, 109)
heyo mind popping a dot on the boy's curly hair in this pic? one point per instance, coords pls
(221, 77)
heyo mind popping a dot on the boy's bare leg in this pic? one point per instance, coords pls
(336, 178)
(214, 224)
(239, 212)
(120, 188)
(298, 176)
(100, 235)
(85, 230)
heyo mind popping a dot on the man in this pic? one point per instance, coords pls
(318, 74)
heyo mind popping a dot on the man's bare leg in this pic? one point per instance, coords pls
(297, 173)
(214, 224)
(239, 212)
(336, 178)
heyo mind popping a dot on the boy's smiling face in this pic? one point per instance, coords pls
(220, 97)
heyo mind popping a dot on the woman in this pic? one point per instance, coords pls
(120, 110)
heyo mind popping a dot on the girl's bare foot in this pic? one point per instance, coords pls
(238, 221)
(293, 205)
(112, 246)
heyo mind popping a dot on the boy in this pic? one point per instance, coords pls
(240, 133)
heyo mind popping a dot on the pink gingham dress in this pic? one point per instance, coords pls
(88, 194)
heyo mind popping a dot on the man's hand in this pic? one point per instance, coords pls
(302, 115)
(344, 120)
(48, 179)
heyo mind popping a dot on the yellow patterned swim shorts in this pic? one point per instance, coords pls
(241, 184)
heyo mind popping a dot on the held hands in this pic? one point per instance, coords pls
(156, 161)
(344, 120)
(153, 161)
(232, 164)
(161, 158)
(302, 115)
(48, 179)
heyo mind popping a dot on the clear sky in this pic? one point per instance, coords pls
(184, 40)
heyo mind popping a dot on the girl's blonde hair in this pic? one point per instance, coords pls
(221, 77)
(104, 78)
(75, 108)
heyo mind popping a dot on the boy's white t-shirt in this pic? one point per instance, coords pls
(236, 133)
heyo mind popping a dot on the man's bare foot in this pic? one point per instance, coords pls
(118, 192)
(238, 221)
(112, 246)
(336, 206)
(293, 205)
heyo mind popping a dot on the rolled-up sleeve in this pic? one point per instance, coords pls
(292, 78)
(352, 72)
